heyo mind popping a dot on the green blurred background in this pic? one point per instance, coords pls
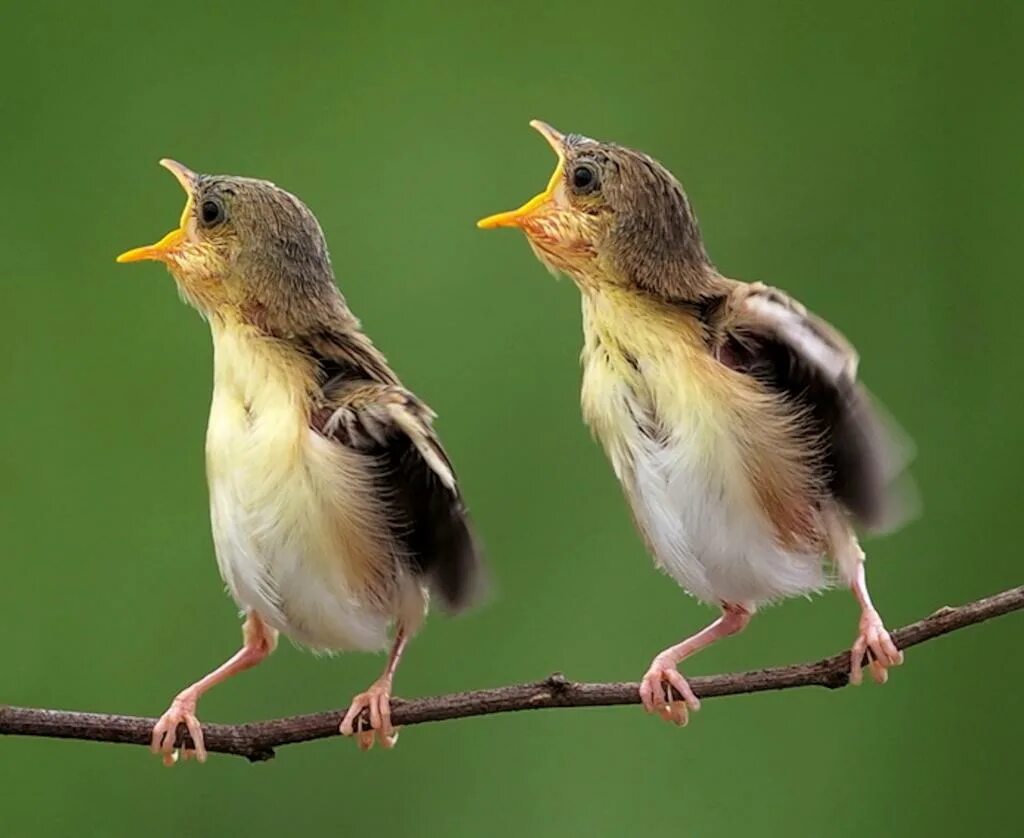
(867, 159)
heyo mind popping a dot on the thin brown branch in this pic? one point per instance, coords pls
(256, 740)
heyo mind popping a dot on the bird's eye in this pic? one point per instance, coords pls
(584, 178)
(211, 212)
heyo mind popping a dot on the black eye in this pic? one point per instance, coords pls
(584, 178)
(211, 212)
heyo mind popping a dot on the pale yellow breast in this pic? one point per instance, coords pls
(638, 357)
(297, 535)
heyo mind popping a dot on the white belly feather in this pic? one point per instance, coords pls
(705, 527)
(274, 486)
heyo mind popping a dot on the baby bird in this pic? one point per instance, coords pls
(335, 510)
(732, 416)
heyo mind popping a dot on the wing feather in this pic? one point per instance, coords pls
(415, 480)
(766, 334)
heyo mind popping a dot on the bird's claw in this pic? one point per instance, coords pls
(165, 732)
(874, 641)
(656, 693)
(377, 699)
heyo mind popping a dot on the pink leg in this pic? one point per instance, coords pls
(259, 641)
(873, 640)
(376, 699)
(662, 675)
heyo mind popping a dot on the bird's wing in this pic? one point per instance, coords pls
(413, 478)
(766, 334)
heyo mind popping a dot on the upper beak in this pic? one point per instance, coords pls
(516, 217)
(164, 248)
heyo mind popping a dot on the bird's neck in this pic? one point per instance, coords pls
(256, 370)
(684, 282)
(688, 280)
(306, 359)
(638, 325)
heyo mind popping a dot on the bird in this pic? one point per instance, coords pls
(335, 510)
(749, 452)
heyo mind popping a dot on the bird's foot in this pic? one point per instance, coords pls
(377, 699)
(657, 697)
(165, 732)
(874, 641)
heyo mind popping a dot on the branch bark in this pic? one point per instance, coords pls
(256, 740)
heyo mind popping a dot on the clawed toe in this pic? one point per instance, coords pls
(877, 645)
(376, 700)
(165, 733)
(656, 694)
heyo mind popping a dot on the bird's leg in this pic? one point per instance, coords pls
(258, 641)
(656, 696)
(376, 699)
(872, 639)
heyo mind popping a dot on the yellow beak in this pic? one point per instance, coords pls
(166, 247)
(517, 217)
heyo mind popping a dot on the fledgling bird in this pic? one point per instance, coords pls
(733, 417)
(335, 510)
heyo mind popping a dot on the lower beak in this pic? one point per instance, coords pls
(169, 244)
(159, 251)
(537, 204)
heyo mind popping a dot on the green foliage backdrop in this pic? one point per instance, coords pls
(864, 157)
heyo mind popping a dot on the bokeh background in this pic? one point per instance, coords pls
(866, 158)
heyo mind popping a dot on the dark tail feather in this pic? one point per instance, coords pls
(438, 535)
(457, 575)
(870, 455)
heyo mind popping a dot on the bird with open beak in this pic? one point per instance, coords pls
(335, 510)
(733, 417)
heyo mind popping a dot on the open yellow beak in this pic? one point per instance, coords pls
(164, 248)
(516, 217)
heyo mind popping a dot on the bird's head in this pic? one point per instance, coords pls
(246, 247)
(611, 215)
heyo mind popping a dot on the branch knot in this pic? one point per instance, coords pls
(558, 683)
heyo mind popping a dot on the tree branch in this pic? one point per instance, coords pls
(256, 740)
